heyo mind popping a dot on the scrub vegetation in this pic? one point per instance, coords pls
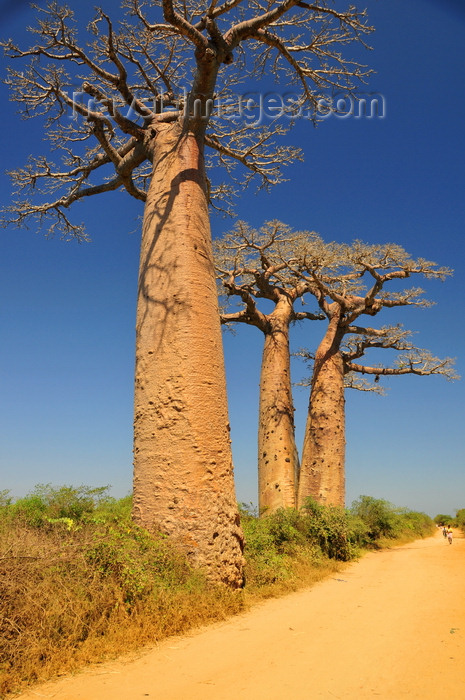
(451, 521)
(80, 582)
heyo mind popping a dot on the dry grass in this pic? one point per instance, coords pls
(305, 573)
(61, 607)
(74, 592)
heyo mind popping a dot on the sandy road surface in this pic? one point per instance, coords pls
(390, 626)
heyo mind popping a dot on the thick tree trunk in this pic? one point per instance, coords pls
(278, 460)
(322, 474)
(183, 474)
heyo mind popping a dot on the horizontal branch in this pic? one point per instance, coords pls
(419, 362)
(302, 315)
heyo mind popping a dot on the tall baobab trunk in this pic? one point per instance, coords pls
(183, 474)
(278, 460)
(322, 474)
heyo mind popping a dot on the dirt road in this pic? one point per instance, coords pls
(390, 626)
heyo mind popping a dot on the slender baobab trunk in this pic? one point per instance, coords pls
(278, 460)
(322, 473)
(183, 474)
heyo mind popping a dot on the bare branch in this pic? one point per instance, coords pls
(256, 264)
(184, 27)
(126, 79)
(249, 27)
(302, 315)
(353, 381)
(418, 361)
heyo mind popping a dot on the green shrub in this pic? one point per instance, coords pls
(47, 503)
(380, 517)
(112, 510)
(80, 581)
(329, 527)
(419, 524)
(266, 561)
(359, 532)
(5, 499)
(384, 521)
(69, 596)
(460, 519)
(31, 509)
(274, 543)
(138, 562)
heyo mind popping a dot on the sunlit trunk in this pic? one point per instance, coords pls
(322, 473)
(277, 454)
(183, 474)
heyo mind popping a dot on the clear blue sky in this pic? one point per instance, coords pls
(67, 310)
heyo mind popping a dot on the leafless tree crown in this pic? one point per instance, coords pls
(104, 95)
(349, 280)
(256, 264)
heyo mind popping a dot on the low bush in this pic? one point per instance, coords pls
(332, 529)
(384, 522)
(80, 582)
(418, 524)
(380, 517)
(316, 534)
(79, 589)
(46, 504)
(460, 519)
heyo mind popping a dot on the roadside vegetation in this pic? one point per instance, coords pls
(450, 520)
(80, 582)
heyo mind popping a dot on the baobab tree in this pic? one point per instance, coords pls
(148, 95)
(345, 291)
(253, 265)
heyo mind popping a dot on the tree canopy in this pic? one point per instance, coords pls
(355, 286)
(348, 282)
(166, 62)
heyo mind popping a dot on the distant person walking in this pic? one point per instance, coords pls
(444, 532)
(449, 536)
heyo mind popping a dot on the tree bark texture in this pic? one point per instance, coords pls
(278, 460)
(183, 474)
(322, 474)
